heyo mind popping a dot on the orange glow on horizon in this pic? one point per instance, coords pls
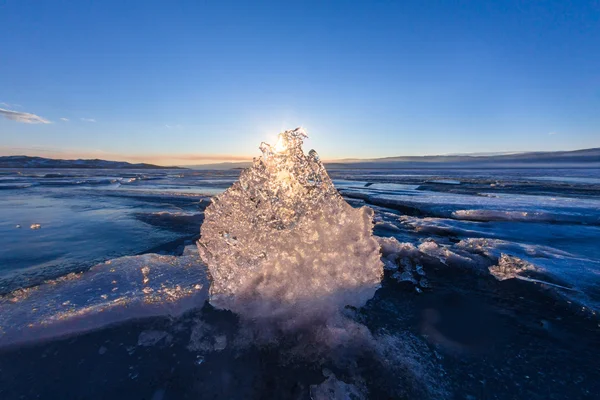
(157, 159)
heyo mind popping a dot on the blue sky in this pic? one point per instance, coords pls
(188, 82)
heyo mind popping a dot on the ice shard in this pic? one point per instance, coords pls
(281, 241)
(115, 291)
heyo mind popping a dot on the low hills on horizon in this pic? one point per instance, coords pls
(41, 162)
(574, 158)
(584, 157)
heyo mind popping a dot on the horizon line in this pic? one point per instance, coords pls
(212, 159)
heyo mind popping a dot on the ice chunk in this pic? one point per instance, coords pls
(451, 255)
(282, 241)
(394, 253)
(404, 259)
(390, 246)
(404, 276)
(510, 267)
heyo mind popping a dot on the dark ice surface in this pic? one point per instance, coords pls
(90, 216)
(463, 334)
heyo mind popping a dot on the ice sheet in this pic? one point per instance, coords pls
(120, 289)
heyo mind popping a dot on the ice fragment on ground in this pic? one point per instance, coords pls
(510, 267)
(283, 241)
(452, 255)
(404, 259)
(393, 251)
(404, 276)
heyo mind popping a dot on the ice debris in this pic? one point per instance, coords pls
(510, 267)
(403, 259)
(282, 241)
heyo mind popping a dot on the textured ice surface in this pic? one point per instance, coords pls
(481, 206)
(120, 289)
(151, 338)
(282, 242)
(510, 267)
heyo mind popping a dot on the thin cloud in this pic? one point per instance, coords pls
(88, 119)
(65, 119)
(9, 105)
(172, 126)
(552, 133)
(23, 117)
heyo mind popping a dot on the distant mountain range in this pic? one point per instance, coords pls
(575, 158)
(40, 162)
(586, 157)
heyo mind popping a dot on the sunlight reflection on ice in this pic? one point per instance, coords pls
(120, 289)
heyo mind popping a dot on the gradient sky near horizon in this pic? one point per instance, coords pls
(191, 82)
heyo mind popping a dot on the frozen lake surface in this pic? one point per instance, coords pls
(551, 218)
(110, 255)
